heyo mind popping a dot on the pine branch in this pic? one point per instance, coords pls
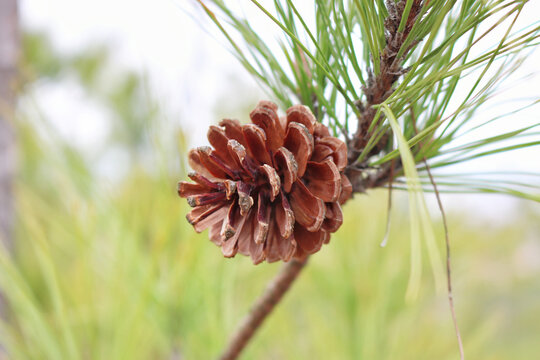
(378, 88)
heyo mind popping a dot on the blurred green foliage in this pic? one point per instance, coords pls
(122, 91)
(113, 271)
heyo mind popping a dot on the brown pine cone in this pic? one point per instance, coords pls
(271, 189)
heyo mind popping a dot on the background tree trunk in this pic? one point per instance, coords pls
(9, 54)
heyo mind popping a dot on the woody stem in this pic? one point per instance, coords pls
(262, 308)
(377, 89)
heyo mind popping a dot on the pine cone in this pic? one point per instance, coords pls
(271, 189)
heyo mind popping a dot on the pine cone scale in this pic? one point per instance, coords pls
(266, 118)
(284, 218)
(302, 115)
(308, 242)
(219, 140)
(323, 180)
(334, 217)
(288, 167)
(308, 209)
(272, 179)
(300, 143)
(263, 218)
(256, 143)
(233, 130)
(209, 218)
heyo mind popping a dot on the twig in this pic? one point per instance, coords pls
(447, 242)
(262, 308)
(448, 263)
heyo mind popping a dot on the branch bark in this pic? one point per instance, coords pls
(262, 308)
(379, 87)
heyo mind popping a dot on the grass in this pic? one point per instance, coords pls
(115, 272)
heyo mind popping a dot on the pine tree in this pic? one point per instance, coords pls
(400, 82)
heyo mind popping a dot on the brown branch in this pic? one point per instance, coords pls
(379, 87)
(262, 308)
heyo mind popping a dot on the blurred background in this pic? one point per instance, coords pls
(103, 264)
